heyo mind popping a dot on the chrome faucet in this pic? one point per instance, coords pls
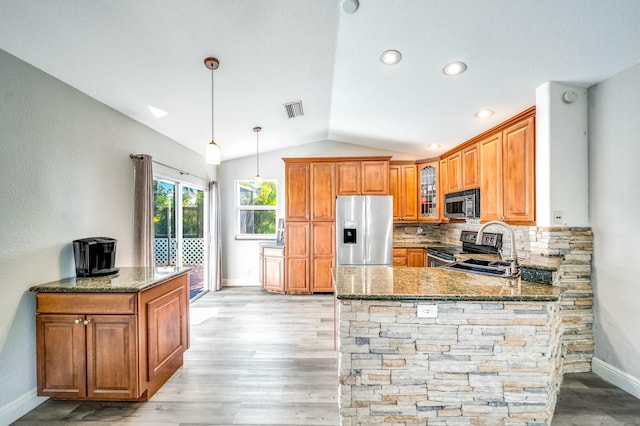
(514, 255)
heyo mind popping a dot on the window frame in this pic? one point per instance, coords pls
(239, 209)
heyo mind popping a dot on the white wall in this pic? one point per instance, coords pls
(66, 174)
(561, 156)
(240, 257)
(614, 164)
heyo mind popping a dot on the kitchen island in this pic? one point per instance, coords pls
(112, 337)
(426, 345)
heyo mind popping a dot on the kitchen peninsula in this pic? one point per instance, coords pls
(112, 337)
(420, 345)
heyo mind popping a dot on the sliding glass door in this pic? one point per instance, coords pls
(180, 227)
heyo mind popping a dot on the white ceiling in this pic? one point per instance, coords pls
(130, 54)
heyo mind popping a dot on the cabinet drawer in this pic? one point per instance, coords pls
(273, 252)
(86, 303)
(400, 261)
(399, 252)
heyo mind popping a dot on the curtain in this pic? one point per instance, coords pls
(142, 210)
(215, 243)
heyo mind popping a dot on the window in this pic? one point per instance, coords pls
(256, 209)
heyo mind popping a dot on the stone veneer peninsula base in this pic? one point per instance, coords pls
(492, 356)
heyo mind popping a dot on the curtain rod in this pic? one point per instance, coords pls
(182, 172)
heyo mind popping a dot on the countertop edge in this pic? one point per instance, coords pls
(49, 288)
(450, 298)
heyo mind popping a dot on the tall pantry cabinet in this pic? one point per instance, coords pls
(311, 187)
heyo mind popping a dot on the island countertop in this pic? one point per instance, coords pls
(410, 283)
(126, 280)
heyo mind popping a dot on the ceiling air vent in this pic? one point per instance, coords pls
(294, 109)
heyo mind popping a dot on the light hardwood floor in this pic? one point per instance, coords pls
(256, 358)
(267, 359)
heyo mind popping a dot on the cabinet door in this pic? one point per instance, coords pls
(348, 175)
(469, 163)
(518, 168)
(297, 255)
(454, 172)
(375, 177)
(112, 363)
(323, 259)
(296, 191)
(61, 356)
(429, 192)
(415, 257)
(274, 273)
(323, 195)
(261, 265)
(491, 178)
(410, 192)
(395, 188)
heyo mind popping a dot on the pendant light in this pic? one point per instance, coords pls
(258, 178)
(212, 151)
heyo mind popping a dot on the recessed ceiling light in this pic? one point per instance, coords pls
(454, 68)
(390, 57)
(484, 113)
(434, 145)
(157, 112)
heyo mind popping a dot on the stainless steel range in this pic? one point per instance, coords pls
(446, 254)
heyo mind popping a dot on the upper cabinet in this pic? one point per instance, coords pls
(429, 197)
(323, 192)
(507, 172)
(366, 177)
(403, 182)
(462, 169)
(296, 191)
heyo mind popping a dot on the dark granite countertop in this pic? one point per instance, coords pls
(408, 283)
(127, 280)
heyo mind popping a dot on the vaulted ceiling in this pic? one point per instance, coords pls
(132, 54)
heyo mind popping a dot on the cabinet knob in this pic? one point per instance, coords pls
(86, 322)
(77, 321)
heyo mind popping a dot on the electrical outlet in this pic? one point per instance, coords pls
(427, 311)
(557, 217)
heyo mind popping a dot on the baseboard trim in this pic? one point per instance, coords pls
(228, 282)
(616, 376)
(19, 407)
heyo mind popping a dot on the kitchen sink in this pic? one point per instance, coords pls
(496, 268)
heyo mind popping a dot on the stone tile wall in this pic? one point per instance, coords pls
(575, 245)
(477, 363)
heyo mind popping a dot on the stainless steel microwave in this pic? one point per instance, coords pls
(463, 204)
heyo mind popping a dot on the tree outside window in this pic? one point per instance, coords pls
(256, 209)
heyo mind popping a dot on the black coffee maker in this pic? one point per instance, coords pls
(95, 256)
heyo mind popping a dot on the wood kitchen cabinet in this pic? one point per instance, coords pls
(362, 177)
(429, 194)
(297, 257)
(507, 172)
(323, 191)
(403, 181)
(111, 346)
(311, 187)
(323, 243)
(462, 169)
(297, 191)
(413, 257)
(272, 268)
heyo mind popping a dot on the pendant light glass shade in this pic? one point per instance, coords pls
(258, 178)
(212, 151)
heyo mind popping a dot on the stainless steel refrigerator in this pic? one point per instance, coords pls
(364, 230)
